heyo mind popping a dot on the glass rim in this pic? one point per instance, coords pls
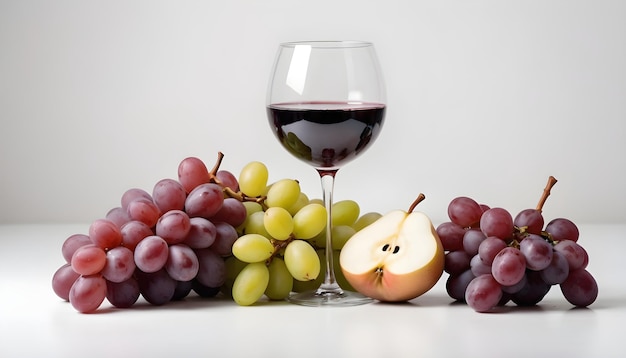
(328, 43)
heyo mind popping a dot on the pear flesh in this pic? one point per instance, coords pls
(397, 258)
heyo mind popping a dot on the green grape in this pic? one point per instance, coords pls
(365, 220)
(284, 193)
(252, 248)
(302, 286)
(339, 276)
(251, 283)
(345, 212)
(341, 234)
(309, 221)
(278, 223)
(317, 201)
(233, 268)
(302, 201)
(281, 282)
(319, 240)
(251, 208)
(302, 260)
(253, 178)
(254, 224)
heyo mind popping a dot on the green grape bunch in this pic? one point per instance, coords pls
(281, 243)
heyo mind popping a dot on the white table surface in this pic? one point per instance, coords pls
(36, 323)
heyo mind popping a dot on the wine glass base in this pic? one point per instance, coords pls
(329, 298)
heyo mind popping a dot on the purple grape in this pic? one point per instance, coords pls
(531, 219)
(225, 236)
(537, 252)
(201, 234)
(557, 271)
(151, 254)
(132, 195)
(516, 287)
(228, 179)
(183, 288)
(483, 293)
(169, 194)
(88, 293)
(562, 229)
(478, 267)
(204, 291)
(533, 292)
(451, 236)
(508, 266)
(464, 211)
(133, 232)
(580, 288)
(118, 216)
(173, 226)
(574, 253)
(471, 241)
(182, 263)
(204, 201)
(156, 287)
(144, 210)
(120, 264)
(456, 262)
(232, 212)
(192, 172)
(489, 248)
(62, 281)
(456, 285)
(123, 294)
(72, 243)
(497, 222)
(212, 270)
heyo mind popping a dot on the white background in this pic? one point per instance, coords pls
(486, 99)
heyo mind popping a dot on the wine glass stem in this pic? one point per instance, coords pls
(328, 183)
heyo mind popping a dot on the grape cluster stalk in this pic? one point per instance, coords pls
(207, 231)
(493, 258)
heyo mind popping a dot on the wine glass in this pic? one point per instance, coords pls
(326, 105)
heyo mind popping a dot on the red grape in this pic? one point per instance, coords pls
(105, 234)
(497, 222)
(151, 254)
(464, 211)
(88, 293)
(169, 194)
(483, 293)
(562, 229)
(192, 172)
(509, 266)
(580, 288)
(88, 260)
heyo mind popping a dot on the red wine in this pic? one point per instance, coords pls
(326, 134)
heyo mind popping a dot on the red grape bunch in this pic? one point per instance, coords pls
(493, 258)
(160, 245)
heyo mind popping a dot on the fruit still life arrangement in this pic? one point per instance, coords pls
(214, 233)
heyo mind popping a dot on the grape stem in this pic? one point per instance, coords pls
(216, 167)
(418, 200)
(279, 245)
(546, 192)
(229, 191)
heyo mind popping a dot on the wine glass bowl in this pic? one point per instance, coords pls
(326, 105)
(326, 100)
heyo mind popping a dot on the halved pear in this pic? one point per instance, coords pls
(397, 258)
